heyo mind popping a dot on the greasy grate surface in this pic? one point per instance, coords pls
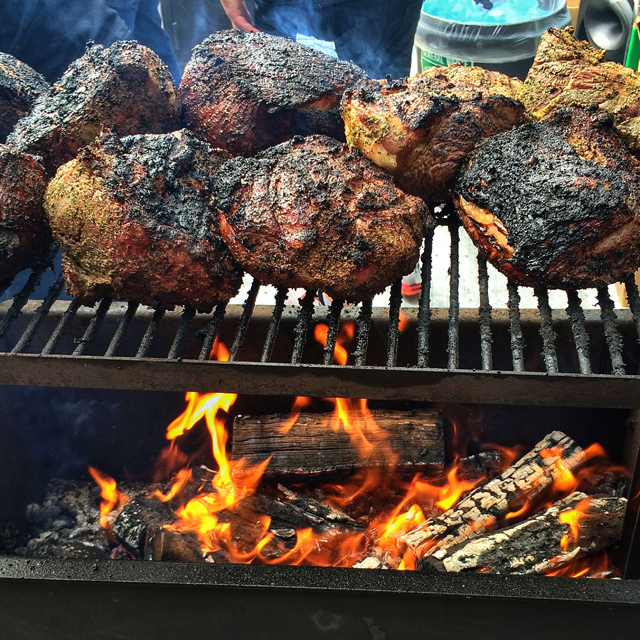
(29, 327)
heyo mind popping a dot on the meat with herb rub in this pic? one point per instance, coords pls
(555, 203)
(135, 220)
(125, 88)
(24, 232)
(567, 71)
(311, 213)
(249, 91)
(421, 129)
(20, 85)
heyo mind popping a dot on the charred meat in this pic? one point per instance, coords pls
(249, 91)
(125, 88)
(421, 129)
(555, 203)
(311, 213)
(135, 220)
(567, 71)
(20, 85)
(24, 232)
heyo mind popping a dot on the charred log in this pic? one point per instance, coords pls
(484, 508)
(311, 446)
(543, 542)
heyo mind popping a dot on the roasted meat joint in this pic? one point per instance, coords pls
(208, 359)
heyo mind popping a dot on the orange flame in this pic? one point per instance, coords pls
(182, 477)
(219, 351)
(453, 490)
(573, 517)
(403, 323)
(300, 403)
(111, 497)
(345, 335)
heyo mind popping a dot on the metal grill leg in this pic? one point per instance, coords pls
(613, 338)
(247, 312)
(424, 306)
(549, 354)
(580, 335)
(484, 315)
(517, 339)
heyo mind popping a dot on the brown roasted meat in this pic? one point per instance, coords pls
(555, 203)
(249, 91)
(421, 129)
(311, 213)
(135, 220)
(125, 88)
(20, 85)
(24, 232)
(567, 71)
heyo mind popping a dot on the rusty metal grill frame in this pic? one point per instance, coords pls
(420, 381)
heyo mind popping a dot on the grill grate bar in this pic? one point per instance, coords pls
(94, 325)
(484, 315)
(247, 312)
(150, 333)
(424, 305)
(633, 298)
(395, 301)
(58, 332)
(211, 331)
(272, 333)
(363, 325)
(126, 319)
(549, 354)
(453, 347)
(301, 329)
(517, 339)
(188, 314)
(580, 335)
(39, 315)
(22, 297)
(614, 340)
(334, 328)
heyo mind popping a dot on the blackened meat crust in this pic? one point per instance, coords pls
(310, 213)
(20, 85)
(421, 129)
(24, 232)
(555, 203)
(248, 91)
(135, 220)
(124, 88)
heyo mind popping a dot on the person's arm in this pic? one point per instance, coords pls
(239, 15)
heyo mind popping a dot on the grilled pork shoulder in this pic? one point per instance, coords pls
(24, 232)
(20, 85)
(311, 213)
(125, 88)
(555, 203)
(249, 91)
(135, 220)
(421, 129)
(568, 71)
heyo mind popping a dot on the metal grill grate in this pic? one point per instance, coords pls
(451, 354)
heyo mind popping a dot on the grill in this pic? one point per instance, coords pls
(445, 355)
(578, 357)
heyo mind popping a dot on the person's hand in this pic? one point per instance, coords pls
(239, 15)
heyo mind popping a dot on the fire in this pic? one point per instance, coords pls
(573, 517)
(345, 336)
(565, 481)
(300, 403)
(403, 323)
(182, 477)
(453, 490)
(111, 497)
(219, 351)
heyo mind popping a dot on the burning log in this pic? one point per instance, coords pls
(311, 446)
(170, 546)
(550, 461)
(571, 528)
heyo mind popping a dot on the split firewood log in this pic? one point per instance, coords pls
(570, 528)
(485, 507)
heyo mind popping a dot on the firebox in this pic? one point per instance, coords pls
(508, 378)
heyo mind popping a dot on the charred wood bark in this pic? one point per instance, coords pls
(311, 446)
(535, 545)
(486, 507)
